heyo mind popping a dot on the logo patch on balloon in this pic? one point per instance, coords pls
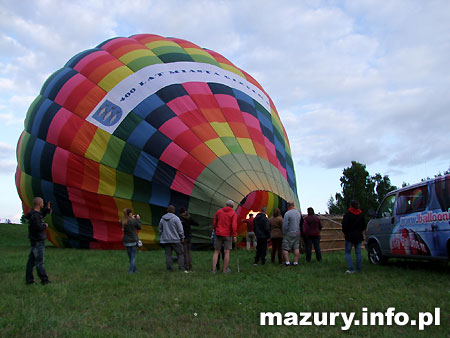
(108, 114)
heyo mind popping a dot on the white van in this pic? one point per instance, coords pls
(412, 222)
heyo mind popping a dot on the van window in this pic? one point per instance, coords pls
(442, 188)
(387, 207)
(412, 200)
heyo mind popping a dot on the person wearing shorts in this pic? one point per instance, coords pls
(291, 234)
(225, 240)
(225, 228)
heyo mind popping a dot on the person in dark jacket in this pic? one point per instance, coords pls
(353, 225)
(37, 236)
(187, 221)
(311, 234)
(262, 232)
(130, 224)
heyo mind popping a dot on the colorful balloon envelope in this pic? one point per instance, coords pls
(144, 122)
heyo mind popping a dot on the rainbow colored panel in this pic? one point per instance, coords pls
(143, 122)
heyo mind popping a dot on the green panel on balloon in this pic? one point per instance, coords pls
(113, 152)
(204, 59)
(143, 62)
(127, 126)
(232, 144)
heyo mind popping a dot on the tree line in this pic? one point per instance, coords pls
(358, 184)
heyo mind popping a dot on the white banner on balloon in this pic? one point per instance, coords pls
(131, 91)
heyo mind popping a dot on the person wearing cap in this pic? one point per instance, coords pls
(225, 228)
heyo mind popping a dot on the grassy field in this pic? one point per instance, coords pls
(93, 296)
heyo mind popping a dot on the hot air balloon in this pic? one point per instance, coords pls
(144, 122)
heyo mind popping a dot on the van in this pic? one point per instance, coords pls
(412, 222)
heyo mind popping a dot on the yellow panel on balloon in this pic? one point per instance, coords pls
(147, 234)
(107, 184)
(218, 147)
(135, 54)
(98, 145)
(197, 51)
(122, 204)
(114, 77)
(247, 146)
(162, 43)
(232, 69)
(222, 129)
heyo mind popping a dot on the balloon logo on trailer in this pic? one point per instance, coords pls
(144, 122)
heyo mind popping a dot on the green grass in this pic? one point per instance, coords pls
(93, 296)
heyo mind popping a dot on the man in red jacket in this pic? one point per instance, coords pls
(225, 227)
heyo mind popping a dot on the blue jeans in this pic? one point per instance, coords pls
(131, 251)
(348, 255)
(36, 258)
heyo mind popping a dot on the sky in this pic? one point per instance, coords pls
(364, 81)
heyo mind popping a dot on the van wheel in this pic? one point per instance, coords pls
(375, 256)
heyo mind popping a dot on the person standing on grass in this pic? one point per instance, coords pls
(353, 225)
(221, 253)
(225, 228)
(37, 236)
(276, 235)
(311, 234)
(130, 224)
(262, 233)
(250, 232)
(291, 233)
(172, 238)
(187, 221)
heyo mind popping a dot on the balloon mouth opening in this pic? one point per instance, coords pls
(252, 203)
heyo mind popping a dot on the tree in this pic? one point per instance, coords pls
(357, 184)
(333, 208)
(383, 186)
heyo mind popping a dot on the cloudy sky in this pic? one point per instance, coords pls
(352, 80)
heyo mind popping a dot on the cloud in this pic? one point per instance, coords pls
(7, 167)
(351, 80)
(7, 158)
(330, 139)
(6, 150)
(9, 119)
